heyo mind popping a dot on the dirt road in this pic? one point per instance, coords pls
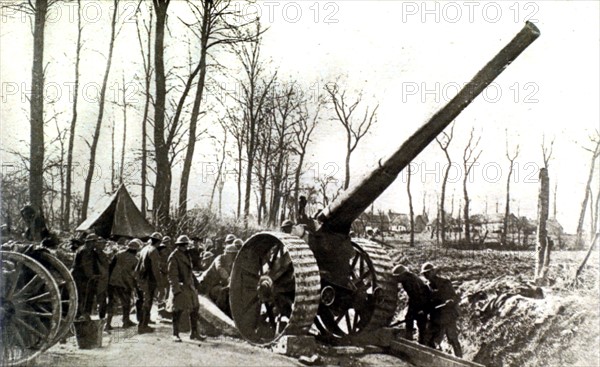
(126, 348)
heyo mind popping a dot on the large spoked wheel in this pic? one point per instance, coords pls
(30, 308)
(66, 287)
(367, 302)
(274, 287)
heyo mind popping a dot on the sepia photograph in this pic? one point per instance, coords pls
(300, 183)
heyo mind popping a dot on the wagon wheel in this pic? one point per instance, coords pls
(30, 308)
(66, 287)
(274, 287)
(371, 300)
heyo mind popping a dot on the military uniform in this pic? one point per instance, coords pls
(418, 300)
(122, 284)
(444, 313)
(214, 282)
(86, 272)
(150, 278)
(183, 295)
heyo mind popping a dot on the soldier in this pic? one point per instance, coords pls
(238, 243)
(122, 282)
(164, 250)
(443, 309)
(183, 284)
(229, 239)
(86, 272)
(207, 259)
(150, 278)
(102, 283)
(286, 226)
(214, 282)
(418, 298)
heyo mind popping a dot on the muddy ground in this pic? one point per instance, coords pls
(505, 321)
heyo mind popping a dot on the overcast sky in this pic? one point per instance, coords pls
(408, 57)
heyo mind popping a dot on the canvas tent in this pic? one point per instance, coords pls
(117, 216)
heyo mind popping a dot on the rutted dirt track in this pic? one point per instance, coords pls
(504, 321)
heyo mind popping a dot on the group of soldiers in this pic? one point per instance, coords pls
(162, 272)
(158, 272)
(432, 303)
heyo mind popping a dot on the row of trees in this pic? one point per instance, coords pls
(265, 126)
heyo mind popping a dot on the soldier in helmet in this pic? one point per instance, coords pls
(86, 272)
(418, 299)
(183, 295)
(214, 282)
(122, 282)
(150, 278)
(286, 226)
(443, 309)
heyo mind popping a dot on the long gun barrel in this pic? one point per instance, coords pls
(340, 214)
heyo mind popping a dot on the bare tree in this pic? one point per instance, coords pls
(469, 160)
(162, 186)
(219, 179)
(96, 136)
(213, 28)
(303, 130)
(444, 144)
(38, 9)
(146, 59)
(355, 129)
(255, 86)
(411, 212)
(511, 158)
(67, 211)
(544, 244)
(595, 153)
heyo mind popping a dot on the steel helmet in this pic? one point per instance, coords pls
(230, 238)
(134, 244)
(156, 236)
(182, 240)
(286, 223)
(427, 267)
(399, 270)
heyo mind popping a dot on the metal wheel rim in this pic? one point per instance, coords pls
(264, 311)
(338, 323)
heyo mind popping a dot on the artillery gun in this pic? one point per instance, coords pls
(319, 279)
(38, 302)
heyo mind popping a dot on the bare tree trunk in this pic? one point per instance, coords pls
(189, 154)
(585, 259)
(586, 196)
(147, 59)
(67, 211)
(410, 207)
(162, 188)
(96, 137)
(36, 118)
(220, 171)
(112, 157)
(542, 232)
(121, 169)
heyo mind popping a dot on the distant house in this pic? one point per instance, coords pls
(373, 220)
(493, 223)
(399, 222)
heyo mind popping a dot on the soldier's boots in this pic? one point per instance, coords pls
(128, 323)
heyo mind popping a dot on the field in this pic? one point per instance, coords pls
(505, 319)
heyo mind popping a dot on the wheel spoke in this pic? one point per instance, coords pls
(348, 326)
(29, 284)
(29, 327)
(14, 280)
(355, 323)
(39, 297)
(284, 269)
(35, 313)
